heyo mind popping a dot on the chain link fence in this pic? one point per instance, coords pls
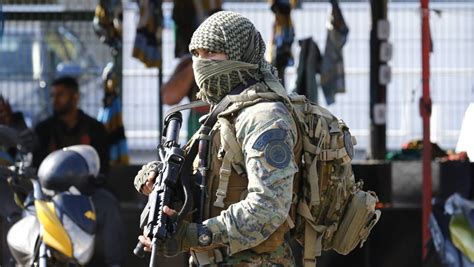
(41, 36)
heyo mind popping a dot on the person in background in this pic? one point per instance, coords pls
(69, 125)
(180, 85)
(187, 15)
(14, 120)
(10, 123)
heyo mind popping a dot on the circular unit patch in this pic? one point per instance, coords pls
(278, 154)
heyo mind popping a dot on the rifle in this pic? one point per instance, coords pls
(158, 226)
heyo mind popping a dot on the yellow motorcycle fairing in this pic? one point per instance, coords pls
(53, 233)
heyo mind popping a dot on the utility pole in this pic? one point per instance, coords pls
(380, 76)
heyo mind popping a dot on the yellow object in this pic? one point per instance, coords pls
(54, 234)
(462, 235)
(90, 215)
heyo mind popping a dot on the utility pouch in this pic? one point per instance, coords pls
(359, 219)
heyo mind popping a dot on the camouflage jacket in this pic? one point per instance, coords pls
(266, 133)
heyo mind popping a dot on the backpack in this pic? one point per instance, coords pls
(332, 209)
(329, 208)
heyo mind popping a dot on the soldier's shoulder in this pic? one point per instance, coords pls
(265, 109)
(264, 116)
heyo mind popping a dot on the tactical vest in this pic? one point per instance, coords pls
(227, 181)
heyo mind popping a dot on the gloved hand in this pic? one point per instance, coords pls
(145, 178)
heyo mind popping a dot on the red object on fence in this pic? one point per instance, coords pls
(425, 111)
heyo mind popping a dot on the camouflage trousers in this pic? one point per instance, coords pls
(282, 257)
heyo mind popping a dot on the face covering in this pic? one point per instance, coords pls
(216, 78)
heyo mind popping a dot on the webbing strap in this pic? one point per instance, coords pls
(224, 175)
(304, 211)
(313, 181)
(300, 117)
(331, 154)
(309, 147)
(194, 104)
(297, 98)
(232, 153)
(274, 85)
(252, 95)
(320, 111)
(290, 222)
(319, 127)
(204, 129)
(202, 136)
(312, 246)
(313, 236)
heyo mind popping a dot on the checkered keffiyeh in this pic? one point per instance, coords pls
(236, 36)
(231, 33)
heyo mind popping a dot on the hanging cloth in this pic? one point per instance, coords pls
(111, 116)
(187, 15)
(147, 46)
(282, 36)
(332, 69)
(107, 23)
(185, 22)
(309, 64)
(205, 8)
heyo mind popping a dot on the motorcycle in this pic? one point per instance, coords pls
(59, 223)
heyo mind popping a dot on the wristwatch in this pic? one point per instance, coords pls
(204, 235)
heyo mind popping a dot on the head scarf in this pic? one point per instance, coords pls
(235, 35)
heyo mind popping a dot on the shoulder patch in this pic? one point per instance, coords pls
(268, 136)
(278, 154)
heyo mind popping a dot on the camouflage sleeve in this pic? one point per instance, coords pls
(267, 134)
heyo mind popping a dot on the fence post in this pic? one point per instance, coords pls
(379, 78)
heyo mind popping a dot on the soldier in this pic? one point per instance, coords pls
(246, 210)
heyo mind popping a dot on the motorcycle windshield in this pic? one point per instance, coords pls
(78, 218)
(83, 242)
(78, 208)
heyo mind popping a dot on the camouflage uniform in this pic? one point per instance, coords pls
(270, 167)
(245, 227)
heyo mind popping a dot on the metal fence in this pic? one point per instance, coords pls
(25, 82)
